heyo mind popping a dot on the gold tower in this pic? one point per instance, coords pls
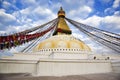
(62, 27)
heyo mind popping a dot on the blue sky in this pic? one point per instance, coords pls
(17, 15)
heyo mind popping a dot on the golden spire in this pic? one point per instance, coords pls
(61, 13)
(62, 27)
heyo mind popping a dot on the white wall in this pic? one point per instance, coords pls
(35, 64)
(60, 68)
(17, 67)
(55, 67)
(101, 56)
(69, 56)
(116, 66)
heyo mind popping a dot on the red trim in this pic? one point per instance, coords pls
(59, 30)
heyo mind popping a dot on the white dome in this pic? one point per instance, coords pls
(62, 41)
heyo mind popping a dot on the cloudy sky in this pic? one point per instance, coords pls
(17, 15)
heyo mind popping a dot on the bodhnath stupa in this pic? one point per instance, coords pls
(61, 54)
(62, 41)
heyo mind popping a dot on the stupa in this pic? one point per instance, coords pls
(63, 41)
(61, 54)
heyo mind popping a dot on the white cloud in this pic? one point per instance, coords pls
(79, 8)
(25, 11)
(113, 22)
(4, 17)
(45, 12)
(73, 2)
(83, 12)
(117, 13)
(22, 16)
(86, 9)
(2, 10)
(112, 19)
(93, 21)
(108, 21)
(90, 3)
(36, 12)
(29, 2)
(56, 6)
(80, 2)
(31, 17)
(109, 11)
(42, 11)
(116, 3)
(6, 4)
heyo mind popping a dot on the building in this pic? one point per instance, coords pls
(61, 54)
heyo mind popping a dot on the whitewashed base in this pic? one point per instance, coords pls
(55, 67)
